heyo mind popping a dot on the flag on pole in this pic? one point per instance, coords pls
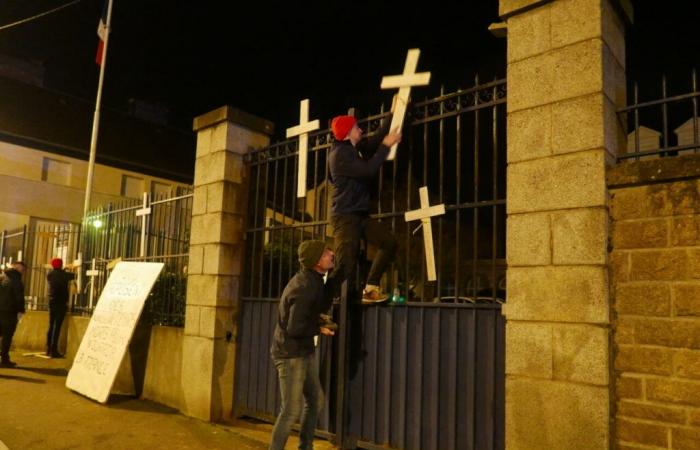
(102, 33)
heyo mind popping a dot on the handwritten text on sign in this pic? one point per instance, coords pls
(110, 329)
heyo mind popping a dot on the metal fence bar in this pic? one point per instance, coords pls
(494, 187)
(475, 226)
(695, 109)
(672, 117)
(412, 365)
(110, 232)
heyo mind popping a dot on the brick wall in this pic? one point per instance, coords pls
(655, 268)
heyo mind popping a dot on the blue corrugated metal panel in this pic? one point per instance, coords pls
(428, 377)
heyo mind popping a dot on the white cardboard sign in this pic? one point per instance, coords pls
(110, 329)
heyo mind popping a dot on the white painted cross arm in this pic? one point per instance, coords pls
(92, 273)
(424, 214)
(302, 130)
(404, 82)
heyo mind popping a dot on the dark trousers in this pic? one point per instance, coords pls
(348, 230)
(56, 315)
(8, 325)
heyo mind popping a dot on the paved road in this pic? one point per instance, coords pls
(37, 411)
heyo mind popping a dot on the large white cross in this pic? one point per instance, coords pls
(143, 212)
(404, 82)
(424, 214)
(302, 130)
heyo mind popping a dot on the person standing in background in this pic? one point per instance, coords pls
(11, 308)
(59, 281)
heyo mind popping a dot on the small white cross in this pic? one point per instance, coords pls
(424, 214)
(92, 273)
(143, 212)
(404, 82)
(302, 130)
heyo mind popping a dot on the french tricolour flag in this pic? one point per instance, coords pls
(102, 33)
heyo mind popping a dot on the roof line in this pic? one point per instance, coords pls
(84, 154)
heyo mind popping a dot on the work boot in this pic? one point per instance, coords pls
(326, 321)
(7, 363)
(373, 295)
(55, 354)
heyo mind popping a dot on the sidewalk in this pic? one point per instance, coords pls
(37, 411)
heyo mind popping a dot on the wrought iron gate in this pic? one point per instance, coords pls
(431, 374)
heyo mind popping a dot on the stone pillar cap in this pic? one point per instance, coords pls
(509, 8)
(235, 115)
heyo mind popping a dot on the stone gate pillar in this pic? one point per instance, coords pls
(566, 77)
(224, 136)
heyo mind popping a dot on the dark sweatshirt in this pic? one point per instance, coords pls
(11, 292)
(58, 286)
(301, 303)
(351, 174)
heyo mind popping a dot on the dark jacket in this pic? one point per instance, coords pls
(58, 286)
(301, 303)
(11, 292)
(351, 174)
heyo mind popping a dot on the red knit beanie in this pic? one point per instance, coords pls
(57, 263)
(342, 125)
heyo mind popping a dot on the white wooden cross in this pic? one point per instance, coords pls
(92, 273)
(143, 212)
(78, 265)
(404, 82)
(302, 130)
(424, 214)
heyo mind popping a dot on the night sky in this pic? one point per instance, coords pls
(263, 57)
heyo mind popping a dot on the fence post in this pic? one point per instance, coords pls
(224, 136)
(566, 78)
(342, 371)
(23, 251)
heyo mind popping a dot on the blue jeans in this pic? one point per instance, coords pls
(302, 397)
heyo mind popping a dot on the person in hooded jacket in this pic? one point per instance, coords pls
(351, 172)
(11, 308)
(303, 300)
(59, 281)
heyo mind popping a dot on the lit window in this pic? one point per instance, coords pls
(160, 189)
(132, 187)
(55, 171)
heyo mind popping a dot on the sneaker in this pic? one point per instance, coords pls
(325, 321)
(370, 297)
(7, 363)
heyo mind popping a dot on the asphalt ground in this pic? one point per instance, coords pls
(37, 411)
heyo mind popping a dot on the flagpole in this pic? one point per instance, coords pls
(96, 117)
